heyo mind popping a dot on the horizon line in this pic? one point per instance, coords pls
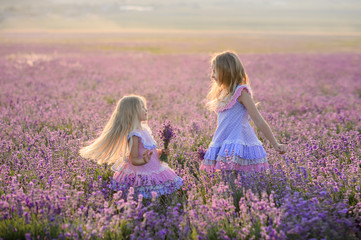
(173, 31)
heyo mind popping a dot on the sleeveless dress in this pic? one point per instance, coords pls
(154, 176)
(235, 145)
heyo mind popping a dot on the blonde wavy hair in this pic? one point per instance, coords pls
(230, 74)
(112, 143)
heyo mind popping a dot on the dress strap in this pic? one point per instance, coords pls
(145, 137)
(134, 133)
(234, 98)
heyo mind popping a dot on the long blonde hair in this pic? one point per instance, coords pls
(230, 74)
(112, 143)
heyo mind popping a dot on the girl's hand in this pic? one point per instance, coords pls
(159, 151)
(146, 155)
(165, 151)
(281, 148)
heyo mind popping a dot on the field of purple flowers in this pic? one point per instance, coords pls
(54, 98)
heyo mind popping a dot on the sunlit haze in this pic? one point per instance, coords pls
(324, 16)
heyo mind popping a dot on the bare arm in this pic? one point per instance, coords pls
(134, 157)
(257, 118)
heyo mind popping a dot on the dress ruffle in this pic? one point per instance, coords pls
(232, 156)
(146, 169)
(165, 182)
(161, 189)
(235, 159)
(234, 149)
(149, 178)
(257, 167)
(145, 137)
(234, 98)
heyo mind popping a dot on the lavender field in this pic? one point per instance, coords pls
(56, 97)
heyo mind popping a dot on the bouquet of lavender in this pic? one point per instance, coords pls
(166, 135)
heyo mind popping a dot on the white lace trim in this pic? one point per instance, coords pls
(235, 159)
(145, 136)
(256, 143)
(229, 98)
(127, 171)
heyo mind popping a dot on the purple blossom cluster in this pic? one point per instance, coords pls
(201, 151)
(166, 134)
(56, 97)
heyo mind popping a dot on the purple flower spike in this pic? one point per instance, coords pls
(201, 151)
(166, 135)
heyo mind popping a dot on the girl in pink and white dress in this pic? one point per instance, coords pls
(127, 143)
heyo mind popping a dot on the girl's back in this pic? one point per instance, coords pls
(233, 122)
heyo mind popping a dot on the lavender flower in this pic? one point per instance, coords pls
(52, 101)
(166, 134)
(201, 151)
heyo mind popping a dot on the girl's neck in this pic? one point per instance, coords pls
(140, 125)
(137, 126)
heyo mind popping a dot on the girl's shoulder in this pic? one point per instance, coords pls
(143, 128)
(243, 86)
(141, 133)
(238, 90)
(145, 136)
(233, 99)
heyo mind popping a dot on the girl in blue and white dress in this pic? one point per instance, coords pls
(235, 145)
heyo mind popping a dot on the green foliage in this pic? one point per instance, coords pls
(110, 100)
(194, 234)
(119, 232)
(16, 228)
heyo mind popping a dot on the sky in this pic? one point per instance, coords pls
(315, 16)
